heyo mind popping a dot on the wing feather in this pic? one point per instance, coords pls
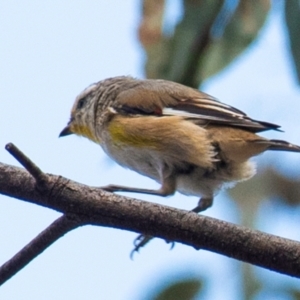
(161, 97)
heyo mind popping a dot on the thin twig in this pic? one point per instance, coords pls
(47, 237)
(30, 166)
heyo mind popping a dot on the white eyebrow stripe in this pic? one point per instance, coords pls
(87, 90)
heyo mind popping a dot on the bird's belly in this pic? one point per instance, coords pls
(142, 161)
(198, 184)
(197, 181)
(207, 184)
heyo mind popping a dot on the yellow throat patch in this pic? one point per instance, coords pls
(84, 131)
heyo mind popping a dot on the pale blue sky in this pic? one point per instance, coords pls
(50, 51)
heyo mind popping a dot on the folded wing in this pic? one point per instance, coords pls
(165, 98)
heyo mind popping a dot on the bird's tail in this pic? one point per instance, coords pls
(283, 146)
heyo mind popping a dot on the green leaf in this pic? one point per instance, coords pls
(292, 18)
(240, 32)
(183, 290)
(193, 53)
(176, 57)
(190, 39)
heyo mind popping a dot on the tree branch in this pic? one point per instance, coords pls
(47, 237)
(94, 206)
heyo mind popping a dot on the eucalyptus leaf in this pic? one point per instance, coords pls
(183, 290)
(176, 57)
(292, 17)
(241, 30)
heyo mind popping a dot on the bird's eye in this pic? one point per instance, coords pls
(81, 103)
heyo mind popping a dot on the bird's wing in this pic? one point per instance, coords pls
(165, 98)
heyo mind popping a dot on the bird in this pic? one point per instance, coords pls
(185, 139)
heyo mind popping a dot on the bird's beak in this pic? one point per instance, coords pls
(66, 131)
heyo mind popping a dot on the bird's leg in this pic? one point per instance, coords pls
(165, 190)
(142, 240)
(203, 204)
(168, 187)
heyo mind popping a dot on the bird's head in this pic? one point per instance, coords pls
(82, 115)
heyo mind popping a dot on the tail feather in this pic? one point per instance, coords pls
(283, 146)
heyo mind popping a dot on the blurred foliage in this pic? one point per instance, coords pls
(210, 35)
(294, 293)
(184, 290)
(292, 17)
(267, 184)
(241, 30)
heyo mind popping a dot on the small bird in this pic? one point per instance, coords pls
(186, 140)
